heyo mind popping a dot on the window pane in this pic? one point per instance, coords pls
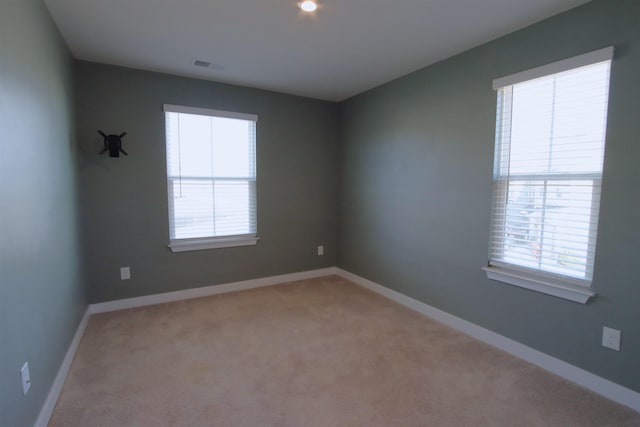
(213, 208)
(232, 148)
(557, 122)
(580, 113)
(192, 209)
(210, 147)
(191, 154)
(234, 207)
(548, 225)
(531, 126)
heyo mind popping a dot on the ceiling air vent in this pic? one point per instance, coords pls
(199, 63)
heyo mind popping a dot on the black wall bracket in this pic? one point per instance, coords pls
(113, 144)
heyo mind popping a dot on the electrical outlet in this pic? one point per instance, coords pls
(611, 338)
(125, 273)
(26, 378)
(320, 250)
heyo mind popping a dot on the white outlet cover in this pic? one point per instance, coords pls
(611, 338)
(320, 250)
(125, 273)
(26, 378)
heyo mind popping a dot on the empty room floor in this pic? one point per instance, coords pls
(318, 352)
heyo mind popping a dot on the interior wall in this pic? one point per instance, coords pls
(124, 200)
(41, 291)
(416, 179)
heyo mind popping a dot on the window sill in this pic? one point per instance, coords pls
(570, 292)
(212, 243)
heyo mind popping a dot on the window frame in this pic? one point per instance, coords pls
(555, 284)
(209, 242)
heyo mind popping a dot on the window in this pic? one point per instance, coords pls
(550, 139)
(211, 178)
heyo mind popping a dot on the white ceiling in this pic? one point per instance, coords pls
(346, 47)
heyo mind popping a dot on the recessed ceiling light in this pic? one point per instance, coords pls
(308, 5)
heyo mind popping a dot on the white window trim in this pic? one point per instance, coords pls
(568, 288)
(197, 244)
(538, 282)
(203, 243)
(589, 58)
(170, 108)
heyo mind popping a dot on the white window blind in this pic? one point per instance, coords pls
(211, 177)
(550, 140)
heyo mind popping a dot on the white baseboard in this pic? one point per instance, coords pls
(572, 373)
(54, 392)
(122, 304)
(597, 384)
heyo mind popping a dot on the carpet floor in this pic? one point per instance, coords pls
(320, 352)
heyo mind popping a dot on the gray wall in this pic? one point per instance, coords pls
(413, 201)
(124, 200)
(41, 292)
(416, 168)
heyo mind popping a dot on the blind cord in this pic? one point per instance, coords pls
(179, 158)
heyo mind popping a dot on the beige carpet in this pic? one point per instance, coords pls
(319, 352)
